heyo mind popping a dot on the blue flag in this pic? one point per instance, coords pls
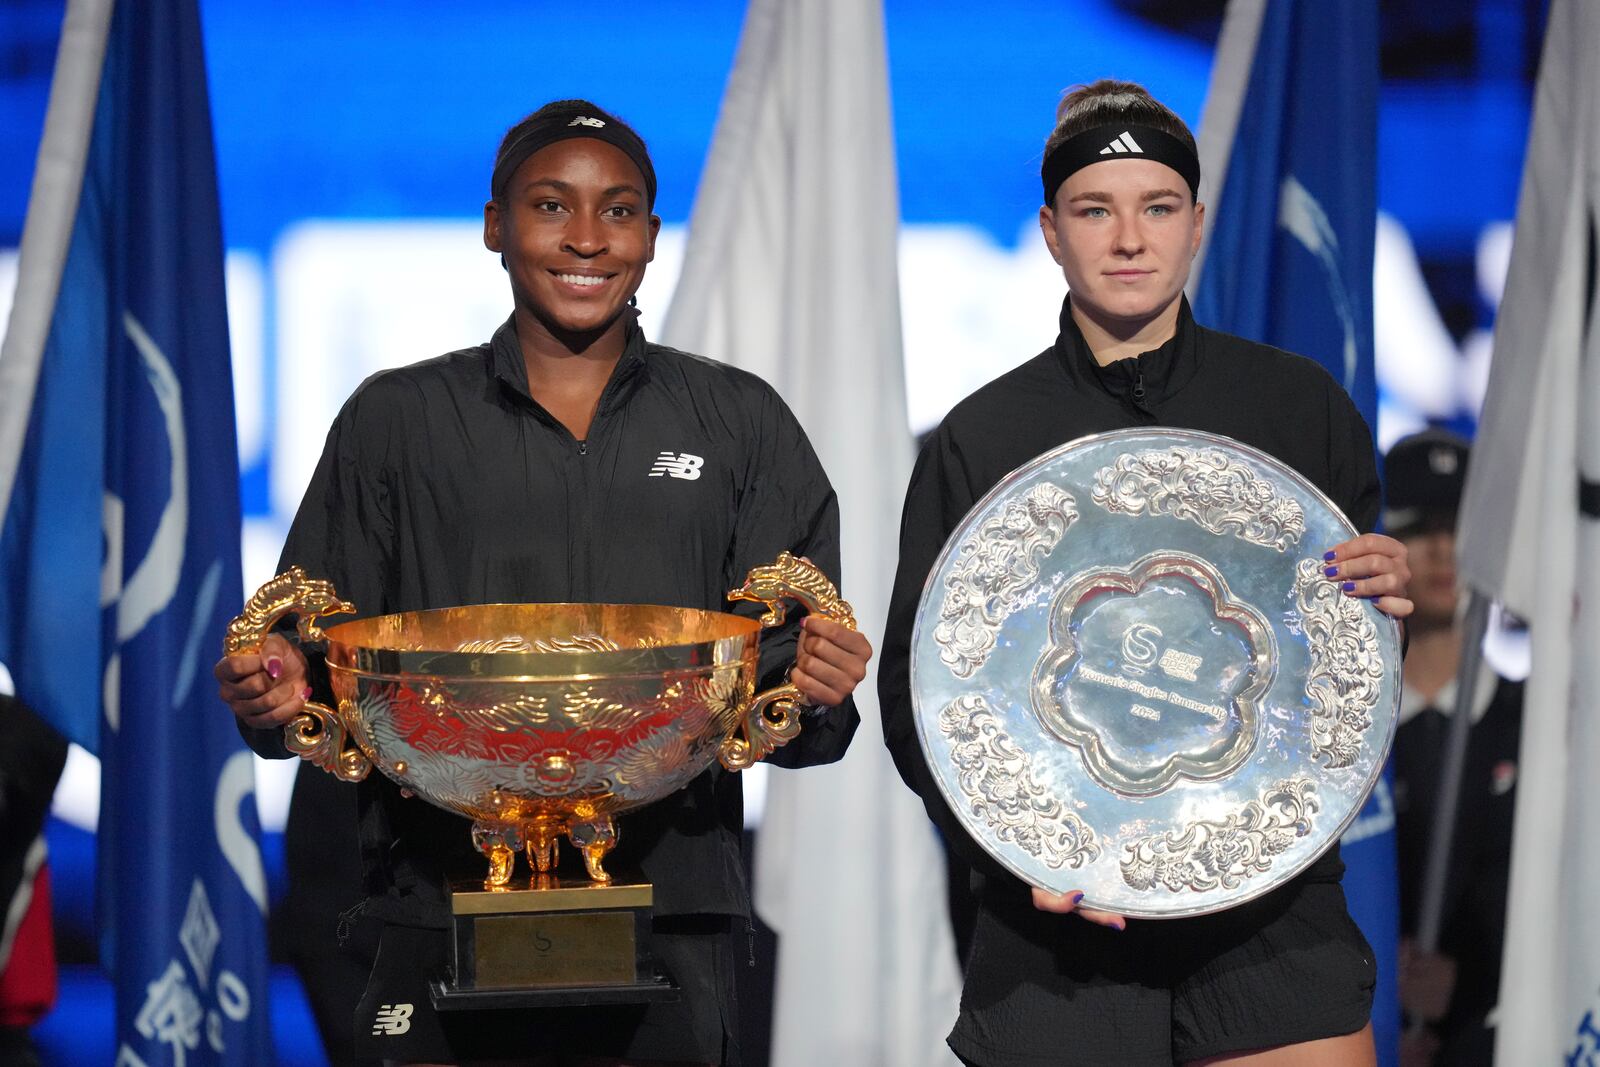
(119, 523)
(1289, 139)
(1288, 256)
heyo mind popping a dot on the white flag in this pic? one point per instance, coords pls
(1530, 537)
(790, 273)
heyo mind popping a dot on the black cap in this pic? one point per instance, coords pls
(1423, 477)
(559, 121)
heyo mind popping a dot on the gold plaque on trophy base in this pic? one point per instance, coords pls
(551, 946)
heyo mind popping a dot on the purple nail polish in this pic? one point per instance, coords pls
(274, 666)
(305, 694)
(1331, 572)
(1328, 555)
(1119, 926)
(1077, 898)
(1348, 587)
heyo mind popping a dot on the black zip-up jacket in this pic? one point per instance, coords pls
(1286, 405)
(445, 483)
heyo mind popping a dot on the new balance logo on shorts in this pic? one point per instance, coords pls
(1124, 143)
(585, 120)
(677, 465)
(392, 1020)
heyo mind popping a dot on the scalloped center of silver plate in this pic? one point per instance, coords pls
(1147, 705)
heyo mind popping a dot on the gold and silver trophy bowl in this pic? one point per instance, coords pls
(538, 721)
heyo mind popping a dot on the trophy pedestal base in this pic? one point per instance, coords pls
(447, 997)
(552, 946)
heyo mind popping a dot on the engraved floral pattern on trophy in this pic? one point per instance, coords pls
(528, 767)
(715, 703)
(471, 752)
(1346, 678)
(490, 645)
(575, 643)
(1222, 853)
(518, 643)
(993, 569)
(1201, 486)
(997, 779)
(1145, 708)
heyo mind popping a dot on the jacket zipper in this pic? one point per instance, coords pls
(582, 577)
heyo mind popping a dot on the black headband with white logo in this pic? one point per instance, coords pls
(1122, 141)
(565, 123)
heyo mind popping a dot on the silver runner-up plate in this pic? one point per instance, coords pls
(1132, 676)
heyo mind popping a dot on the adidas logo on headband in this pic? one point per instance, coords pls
(585, 120)
(1089, 147)
(1124, 142)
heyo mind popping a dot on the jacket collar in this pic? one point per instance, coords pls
(1158, 373)
(505, 361)
(1413, 703)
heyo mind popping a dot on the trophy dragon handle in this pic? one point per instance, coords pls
(773, 717)
(317, 735)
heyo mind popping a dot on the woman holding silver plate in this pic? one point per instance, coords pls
(1285, 977)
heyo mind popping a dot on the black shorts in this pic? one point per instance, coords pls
(1046, 990)
(700, 951)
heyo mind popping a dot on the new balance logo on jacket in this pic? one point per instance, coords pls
(392, 1020)
(677, 465)
(1123, 143)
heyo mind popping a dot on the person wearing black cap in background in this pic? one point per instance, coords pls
(1454, 989)
(568, 459)
(1286, 978)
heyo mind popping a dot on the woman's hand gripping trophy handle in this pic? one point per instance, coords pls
(264, 678)
(831, 658)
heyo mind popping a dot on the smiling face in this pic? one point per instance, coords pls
(1124, 232)
(576, 234)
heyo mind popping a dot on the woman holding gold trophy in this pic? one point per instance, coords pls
(1284, 977)
(566, 462)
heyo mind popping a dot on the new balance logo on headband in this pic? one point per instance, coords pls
(1124, 143)
(585, 120)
